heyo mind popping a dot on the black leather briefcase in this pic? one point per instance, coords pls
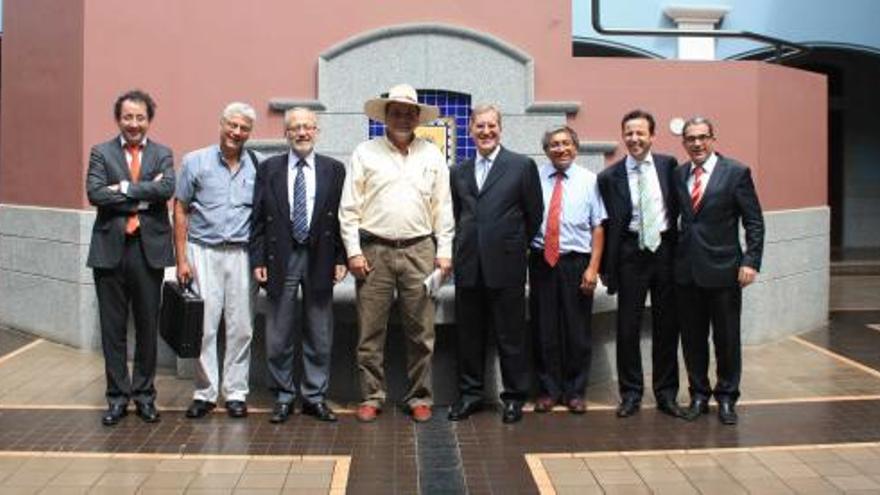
(180, 321)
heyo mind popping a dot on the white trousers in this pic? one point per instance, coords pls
(222, 278)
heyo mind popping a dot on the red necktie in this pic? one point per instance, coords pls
(697, 191)
(132, 224)
(551, 236)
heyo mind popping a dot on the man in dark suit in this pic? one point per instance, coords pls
(498, 209)
(129, 180)
(640, 242)
(716, 193)
(295, 243)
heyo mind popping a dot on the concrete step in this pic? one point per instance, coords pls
(855, 268)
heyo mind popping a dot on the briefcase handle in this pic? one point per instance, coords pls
(188, 290)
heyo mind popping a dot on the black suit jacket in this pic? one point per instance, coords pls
(614, 188)
(271, 241)
(493, 226)
(107, 166)
(709, 252)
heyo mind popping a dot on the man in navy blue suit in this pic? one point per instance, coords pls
(496, 199)
(295, 243)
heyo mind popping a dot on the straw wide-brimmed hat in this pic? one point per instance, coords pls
(402, 93)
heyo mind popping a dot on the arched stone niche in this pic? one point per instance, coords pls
(428, 56)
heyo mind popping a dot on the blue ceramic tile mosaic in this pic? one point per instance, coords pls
(453, 107)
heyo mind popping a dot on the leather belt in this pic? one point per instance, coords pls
(368, 238)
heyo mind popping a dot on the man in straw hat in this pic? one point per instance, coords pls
(397, 227)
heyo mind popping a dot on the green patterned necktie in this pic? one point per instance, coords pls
(649, 217)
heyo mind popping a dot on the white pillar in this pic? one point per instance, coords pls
(696, 18)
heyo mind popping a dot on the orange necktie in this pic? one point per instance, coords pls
(551, 236)
(132, 224)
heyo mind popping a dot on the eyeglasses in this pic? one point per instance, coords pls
(302, 127)
(701, 138)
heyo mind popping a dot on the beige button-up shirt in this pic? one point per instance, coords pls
(397, 196)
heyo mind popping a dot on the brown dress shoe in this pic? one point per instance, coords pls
(420, 413)
(367, 413)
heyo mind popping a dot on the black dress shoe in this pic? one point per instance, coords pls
(698, 406)
(462, 409)
(199, 408)
(320, 410)
(236, 408)
(670, 408)
(280, 412)
(726, 413)
(628, 407)
(114, 413)
(512, 412)
(147, 411)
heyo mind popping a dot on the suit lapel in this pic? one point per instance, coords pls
(119, 159)
(681, 177)
(495, 172)
(662, 167)
(718, 177)
(467, 170)
(322, 183)
(148, 159)
(278, 181)
(621, 186)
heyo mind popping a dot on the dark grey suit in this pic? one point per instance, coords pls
(707, 263)
(493, 228)
(290, 265)
(129, 269)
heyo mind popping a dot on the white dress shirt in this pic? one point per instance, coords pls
(633, 169)
(482, 166)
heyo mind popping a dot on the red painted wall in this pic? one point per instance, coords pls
(42, 118)
(66, 60)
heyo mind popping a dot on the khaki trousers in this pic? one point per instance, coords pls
(403, 270)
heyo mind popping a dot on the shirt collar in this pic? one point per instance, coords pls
(632, 163)
(124, 143)
(549, 171)
(708, 165)
(492, 156)
(412, 144)
(244, 157)
(293, 159)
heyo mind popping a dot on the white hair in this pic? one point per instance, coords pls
(241, 109)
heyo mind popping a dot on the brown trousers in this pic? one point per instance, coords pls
(403, 270)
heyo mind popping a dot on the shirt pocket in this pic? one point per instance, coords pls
(243, 191)
(425, 181)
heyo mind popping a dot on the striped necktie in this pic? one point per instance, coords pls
(697, 190)
(298, 212)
